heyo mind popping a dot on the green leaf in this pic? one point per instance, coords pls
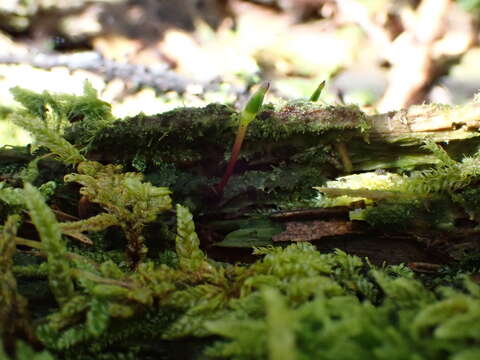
(251, 237)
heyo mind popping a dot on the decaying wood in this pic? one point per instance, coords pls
(440, 123)
(186, 149)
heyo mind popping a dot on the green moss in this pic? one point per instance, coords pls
(342, 327)
(307, 118)
(86, 108)
(24, 351)
(469, 199)
(170, 134)
(291, 301)
(400, 216)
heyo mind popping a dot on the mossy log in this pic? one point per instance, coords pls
(191, 136)
(288, 150)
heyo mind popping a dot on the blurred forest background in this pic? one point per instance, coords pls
(154, 55)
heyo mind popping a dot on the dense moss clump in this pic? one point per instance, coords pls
(107, 268)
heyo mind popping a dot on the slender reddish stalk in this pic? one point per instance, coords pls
(248, 114)
(242, 130)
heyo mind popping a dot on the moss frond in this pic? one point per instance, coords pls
(14, 315)
(130, 202)
(69, 108)
(23, 351)
(49, 137)
(448, 176)
(95, 223)
(11, 196)
(47, 115)
(280, 327)
(187, 242)
(439, 153)
(59, 268)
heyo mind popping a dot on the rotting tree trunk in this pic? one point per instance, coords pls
(286, 153)
(296, 137)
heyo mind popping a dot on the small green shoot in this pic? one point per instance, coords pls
(318, 91)
(248, 114)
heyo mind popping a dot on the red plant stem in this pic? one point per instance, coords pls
(242, 130)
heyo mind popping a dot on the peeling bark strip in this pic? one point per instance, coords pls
(443, 122)
(313, 230)
(439, 122)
